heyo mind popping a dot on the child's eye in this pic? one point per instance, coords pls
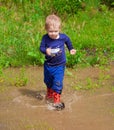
(53, 31)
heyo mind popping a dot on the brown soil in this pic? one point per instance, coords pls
(85, 110)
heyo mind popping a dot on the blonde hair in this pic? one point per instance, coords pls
(52, 20)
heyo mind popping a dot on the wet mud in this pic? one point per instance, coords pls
(93, 109)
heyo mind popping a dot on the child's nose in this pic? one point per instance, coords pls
(54, 33)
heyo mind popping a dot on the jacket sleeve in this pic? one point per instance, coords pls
(43, 46)
(68, 43)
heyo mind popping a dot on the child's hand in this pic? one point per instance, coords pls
(73, 52)
(48, 51)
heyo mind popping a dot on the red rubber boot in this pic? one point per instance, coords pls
(49, 95)
(57, 103)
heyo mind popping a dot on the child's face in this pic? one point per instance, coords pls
(53, 32)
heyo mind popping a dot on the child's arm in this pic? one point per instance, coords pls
(43, 46)
(69, 45)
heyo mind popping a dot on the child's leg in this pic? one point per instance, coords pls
(48, 81)
(58, 76)
(53, 78)
(58, 86)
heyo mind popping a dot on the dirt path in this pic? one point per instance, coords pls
(85, 110)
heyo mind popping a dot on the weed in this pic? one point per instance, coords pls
(90, 83)
(39, 125)
(103, 75)
(1, 75)
(113, 88)
(20, 79)
(68, 72)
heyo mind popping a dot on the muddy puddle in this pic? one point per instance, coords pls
(93, 109)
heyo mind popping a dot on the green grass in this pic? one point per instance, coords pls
(22, 27)
(92, 35)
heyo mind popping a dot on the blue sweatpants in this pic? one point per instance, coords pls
(53, 77)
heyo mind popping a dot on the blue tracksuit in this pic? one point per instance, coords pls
(54, 65)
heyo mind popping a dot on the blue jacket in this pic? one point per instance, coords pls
(58, 56)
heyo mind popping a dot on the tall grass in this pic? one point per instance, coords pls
(22, 27)
(93, 35)
(20, 34)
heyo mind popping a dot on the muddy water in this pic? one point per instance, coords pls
(85, 110)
